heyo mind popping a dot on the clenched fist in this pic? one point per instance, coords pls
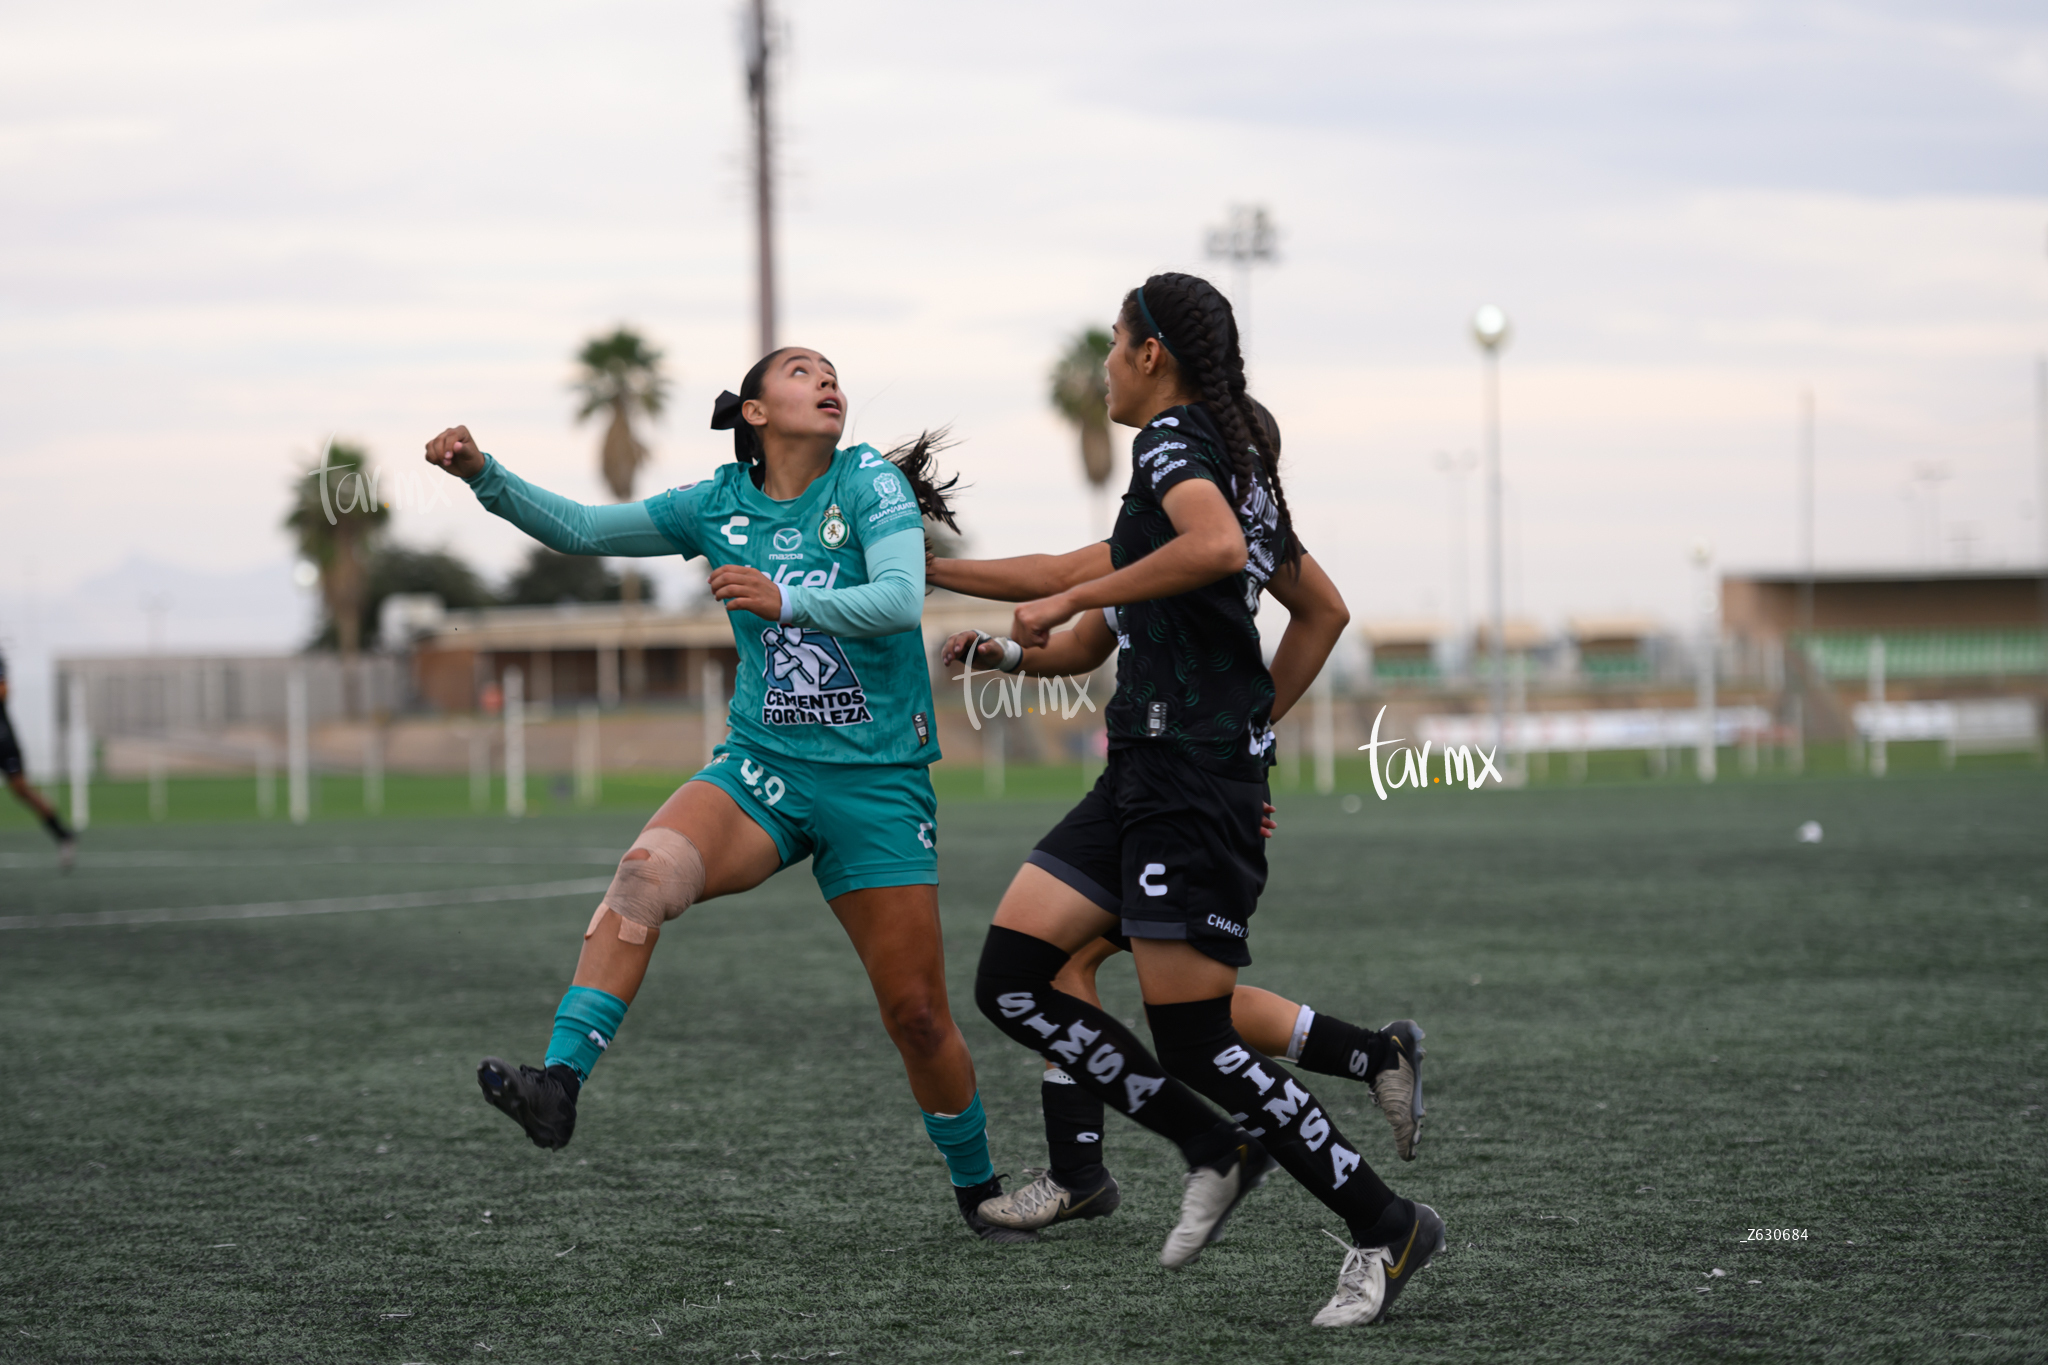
(455, 450)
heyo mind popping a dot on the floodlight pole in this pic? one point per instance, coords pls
(2041, 501)
(1705, 754)
(1805, 622)
(1490, 329)
(1246, 239)
(755, 38)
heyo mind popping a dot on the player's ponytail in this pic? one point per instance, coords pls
(917, 461)
(1194, 322)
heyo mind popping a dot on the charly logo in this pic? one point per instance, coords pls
(809, 680)
(788, 538)
(832, 530)
(1467, 763)
(732, 531)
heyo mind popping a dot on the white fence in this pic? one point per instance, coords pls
(1538, 732)
(1994, 725)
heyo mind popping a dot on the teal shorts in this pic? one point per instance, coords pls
(860, 824)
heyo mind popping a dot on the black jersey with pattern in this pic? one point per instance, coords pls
(1190, 673)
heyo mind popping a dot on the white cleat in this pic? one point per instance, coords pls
(1206, 1202)
(1397, 1090)
(1045, 1201)
(1361, 1286)
(1372, 1277)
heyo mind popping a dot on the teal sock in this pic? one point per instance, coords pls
(963, 1140)
(585, 1023)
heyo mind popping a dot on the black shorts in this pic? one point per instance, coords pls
(10, 752)
(1176, 852)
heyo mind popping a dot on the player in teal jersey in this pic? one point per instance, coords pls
(818, 555)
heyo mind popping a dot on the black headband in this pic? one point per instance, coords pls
(1157, 330)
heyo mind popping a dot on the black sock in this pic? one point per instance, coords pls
(1336, 1048)
(1073, 1130)
(54, 823)
(1014, 989)
(1199, 1046)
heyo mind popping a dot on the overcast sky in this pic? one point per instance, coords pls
(228, 231)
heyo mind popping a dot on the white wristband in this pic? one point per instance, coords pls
(1013, 653)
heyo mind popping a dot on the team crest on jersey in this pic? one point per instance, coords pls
(809, 680)
(832, 530)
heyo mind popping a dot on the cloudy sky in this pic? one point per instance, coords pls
(230, 230)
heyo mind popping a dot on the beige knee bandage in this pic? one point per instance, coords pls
(648, 892)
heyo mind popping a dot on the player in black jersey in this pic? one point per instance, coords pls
(1174, 825)
(18, 783)
(1076, 1184)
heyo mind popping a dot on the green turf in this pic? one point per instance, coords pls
(1656, 1021)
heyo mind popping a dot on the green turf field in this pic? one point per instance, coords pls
(1656, 1021)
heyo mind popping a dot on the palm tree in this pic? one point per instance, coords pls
(337, 513)
(1080, 393)
(621, 375)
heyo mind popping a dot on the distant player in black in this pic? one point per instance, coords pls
(1171, 835)
(10, 764)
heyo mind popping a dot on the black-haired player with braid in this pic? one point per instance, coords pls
(1076, 1184)
(1172, 832)
(18, 783)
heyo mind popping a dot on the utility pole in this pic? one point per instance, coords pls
(755, 39)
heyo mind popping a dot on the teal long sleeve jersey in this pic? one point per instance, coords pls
(841, 677)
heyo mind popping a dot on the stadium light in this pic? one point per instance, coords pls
(1490, 330)
(1247, 239)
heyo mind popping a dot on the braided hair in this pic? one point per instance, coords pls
(1193, 321)
(914, 458)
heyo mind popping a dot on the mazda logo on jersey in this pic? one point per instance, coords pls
(788, 538)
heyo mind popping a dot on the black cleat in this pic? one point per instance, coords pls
(972, 1197)
(541, 1102)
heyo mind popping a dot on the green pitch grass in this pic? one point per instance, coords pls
(1656, 1022)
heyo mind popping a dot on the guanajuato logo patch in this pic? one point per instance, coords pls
(809, 681)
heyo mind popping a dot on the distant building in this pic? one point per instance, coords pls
(1984, 625)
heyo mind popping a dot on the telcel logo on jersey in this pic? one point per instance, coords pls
(809, 681)
(1468, 763)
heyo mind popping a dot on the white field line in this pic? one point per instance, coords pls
(338, 905)
(311, 857)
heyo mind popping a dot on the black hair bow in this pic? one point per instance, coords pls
(725, 411)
